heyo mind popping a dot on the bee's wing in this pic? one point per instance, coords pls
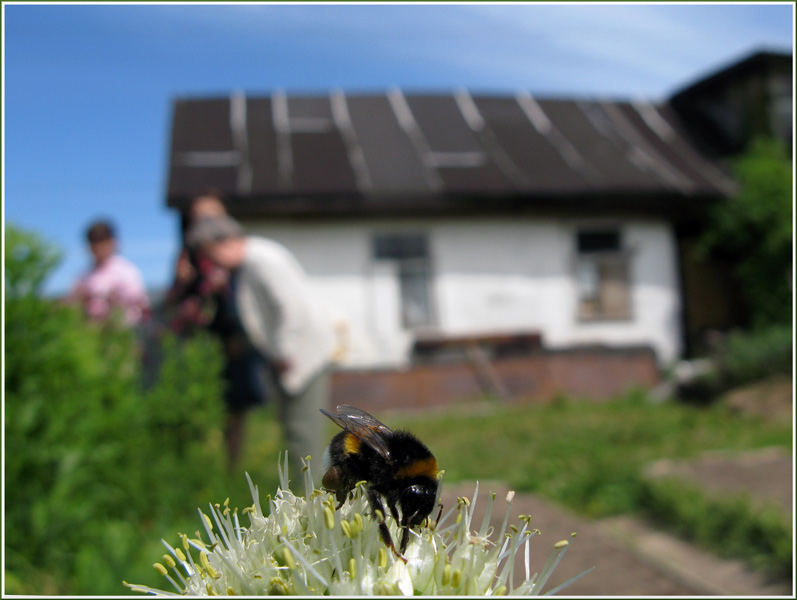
(364, 426)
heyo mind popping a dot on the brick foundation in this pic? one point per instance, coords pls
(593, 373)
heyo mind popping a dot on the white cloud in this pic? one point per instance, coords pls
(627, 49)
(652, 42)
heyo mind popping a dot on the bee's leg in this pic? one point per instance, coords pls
(405, 537)
(379, 513)
(341, 496)
(385, 533)
(391, 504)
(439, 512)
(405, 528)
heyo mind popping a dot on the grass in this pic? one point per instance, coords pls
(585, 455)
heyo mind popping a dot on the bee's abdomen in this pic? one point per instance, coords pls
(414, 458)
(422, 467)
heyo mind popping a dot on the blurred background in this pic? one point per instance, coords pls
(557, 240)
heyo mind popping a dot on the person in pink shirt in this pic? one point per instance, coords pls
(112, 283)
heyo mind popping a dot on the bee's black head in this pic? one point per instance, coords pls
(417, 501)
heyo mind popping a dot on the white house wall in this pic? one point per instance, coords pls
(489, 276)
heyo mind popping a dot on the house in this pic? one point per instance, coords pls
(489, 228)
(748, 98)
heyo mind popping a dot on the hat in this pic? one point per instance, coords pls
(212, 229)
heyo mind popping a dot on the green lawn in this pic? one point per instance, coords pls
(586, 455)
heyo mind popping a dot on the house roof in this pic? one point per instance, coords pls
(397, 152)
(754, 65)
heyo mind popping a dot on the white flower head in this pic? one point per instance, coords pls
(305, 546)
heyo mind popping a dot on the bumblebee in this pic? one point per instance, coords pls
(395, 465)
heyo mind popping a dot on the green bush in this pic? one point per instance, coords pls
(743, 357)
(28, 261)
(750, 356)
(94, 462)
(754, 228)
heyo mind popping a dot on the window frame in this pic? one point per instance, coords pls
(602, 261)
(406, 263)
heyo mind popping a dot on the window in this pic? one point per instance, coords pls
(602, 275)
(410, 251)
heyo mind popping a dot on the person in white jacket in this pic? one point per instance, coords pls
(283, 321)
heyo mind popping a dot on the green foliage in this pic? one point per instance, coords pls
(742, 357)
(93, 461)
(755, 228)
(750, 356)
(28, 261)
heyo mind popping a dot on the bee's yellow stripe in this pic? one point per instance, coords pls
(424, 466)
(351, 444)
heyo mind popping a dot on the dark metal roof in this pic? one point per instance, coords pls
(397, 152)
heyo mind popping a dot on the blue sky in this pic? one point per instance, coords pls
(88, 88)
